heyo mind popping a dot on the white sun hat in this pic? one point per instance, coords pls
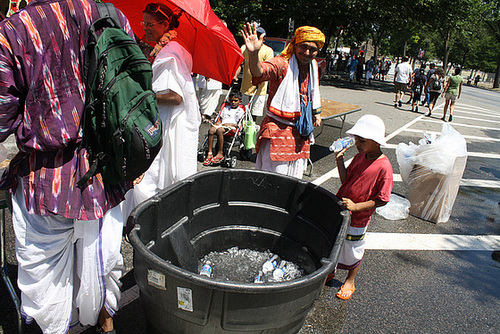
(369, 127)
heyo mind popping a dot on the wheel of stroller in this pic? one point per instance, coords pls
(232, 161)
(202, 155)
(245, 154)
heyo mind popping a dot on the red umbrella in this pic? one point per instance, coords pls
(215, 52)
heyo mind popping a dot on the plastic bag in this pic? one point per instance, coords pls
(397, 208)
(250, 139)
(438, 154)
(433, 170)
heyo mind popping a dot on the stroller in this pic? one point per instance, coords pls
(232, 138)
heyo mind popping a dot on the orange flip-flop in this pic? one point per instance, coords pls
(342, 290)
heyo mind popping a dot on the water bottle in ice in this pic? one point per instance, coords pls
(280, 272)
(259, 278)
(342, 143)
(270, 264)
(206, 270)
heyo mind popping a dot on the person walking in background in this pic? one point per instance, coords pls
(249, 91)
(476, 80)
(434, 87)
(370, 66)
(353, 67)
(401, 80)
(209, 91)
(452, 91)
(283, 144)
(432, 69)
(366, 185)
(417, 87)
(69, 260)
(359, 69)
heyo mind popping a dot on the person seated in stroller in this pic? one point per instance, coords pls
(227, 121)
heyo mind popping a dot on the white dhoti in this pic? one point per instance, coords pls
(209, 100)
(291, 168)
(68, 269)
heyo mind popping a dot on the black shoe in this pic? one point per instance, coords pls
(400, 103)
(428, 114)
(395, 105)
(443, 119)
(416, 109)
(451, 117)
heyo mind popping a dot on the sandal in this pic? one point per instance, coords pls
(330, 277)
(339, 293)
(216, 160)
(208, 161)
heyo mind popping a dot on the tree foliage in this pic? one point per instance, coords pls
(460, 32)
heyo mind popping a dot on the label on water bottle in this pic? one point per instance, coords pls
(258, 278)
(156, 279)
(185, 299)
(206, 270)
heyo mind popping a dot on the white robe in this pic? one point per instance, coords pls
(177, 158)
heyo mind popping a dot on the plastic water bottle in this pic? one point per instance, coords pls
(341, 143)
(270, 264)
(280, 272)
(259, 278)
(206, 270)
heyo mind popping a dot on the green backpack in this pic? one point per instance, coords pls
(122, 130)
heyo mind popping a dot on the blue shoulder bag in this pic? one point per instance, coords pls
(304, 123)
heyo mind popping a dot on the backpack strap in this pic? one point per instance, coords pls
(108, 18)
(108, 10)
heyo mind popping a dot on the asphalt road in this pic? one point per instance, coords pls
(417, 276)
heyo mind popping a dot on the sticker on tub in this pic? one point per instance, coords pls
(185, 299)
(156, 279)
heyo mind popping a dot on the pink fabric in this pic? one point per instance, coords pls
(366, 180)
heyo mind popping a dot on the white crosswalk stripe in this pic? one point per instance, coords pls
(409, 241)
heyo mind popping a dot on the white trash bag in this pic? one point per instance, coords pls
(432, 171)
(397, 208)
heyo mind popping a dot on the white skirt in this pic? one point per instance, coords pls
(352, 252)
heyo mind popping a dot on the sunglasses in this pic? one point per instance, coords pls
(304, 48)
(150, 24)
(153, 8)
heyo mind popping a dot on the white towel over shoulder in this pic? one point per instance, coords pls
(287, 97)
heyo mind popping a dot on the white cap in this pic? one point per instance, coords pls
(369, 127)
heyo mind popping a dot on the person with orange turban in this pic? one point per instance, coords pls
(294, 104)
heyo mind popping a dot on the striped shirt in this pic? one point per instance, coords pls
(42, 97)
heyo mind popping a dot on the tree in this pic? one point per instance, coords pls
(449, 18)
(491, 17)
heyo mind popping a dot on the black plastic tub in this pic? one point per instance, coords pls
(220, 209)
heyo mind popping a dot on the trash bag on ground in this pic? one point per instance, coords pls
(432, 170)
(397, 208)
